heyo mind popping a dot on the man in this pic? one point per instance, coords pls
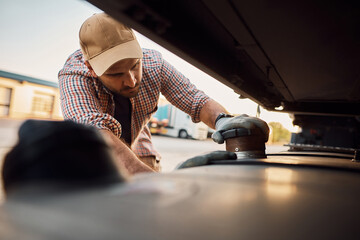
(115, 85)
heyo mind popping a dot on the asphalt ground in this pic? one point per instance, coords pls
(173, 150)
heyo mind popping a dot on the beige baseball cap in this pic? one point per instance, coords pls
(104, 41)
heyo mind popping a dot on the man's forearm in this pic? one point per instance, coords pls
(210, 112)
(125, 157)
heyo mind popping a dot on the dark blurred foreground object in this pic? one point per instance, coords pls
(206, 159)
(53, 155)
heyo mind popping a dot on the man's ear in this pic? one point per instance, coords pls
(91, 69)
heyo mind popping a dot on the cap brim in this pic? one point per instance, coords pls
(105, 60)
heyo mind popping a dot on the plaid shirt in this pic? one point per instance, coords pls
(84, 99)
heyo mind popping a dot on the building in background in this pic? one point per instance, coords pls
(23, 97)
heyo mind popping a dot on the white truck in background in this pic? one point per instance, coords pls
(171, 121)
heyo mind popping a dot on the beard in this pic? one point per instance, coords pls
(128, 92)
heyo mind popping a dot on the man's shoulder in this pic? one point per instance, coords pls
(75, 64)
(152, 58)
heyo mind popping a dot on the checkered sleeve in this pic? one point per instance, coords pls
(81, 103)
(143, 145)
(180, 92)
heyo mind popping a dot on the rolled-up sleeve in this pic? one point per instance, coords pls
(180, 92)
(80, 102)
(143, 145)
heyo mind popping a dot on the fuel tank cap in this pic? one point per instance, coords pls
(246, 143)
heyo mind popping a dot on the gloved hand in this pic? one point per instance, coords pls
(242, 121)
(205, 159)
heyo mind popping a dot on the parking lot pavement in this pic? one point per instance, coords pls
(8, 135)
(8, 132)
(173, 150)
(176, 150)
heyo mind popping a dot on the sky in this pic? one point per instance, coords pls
(38, 36)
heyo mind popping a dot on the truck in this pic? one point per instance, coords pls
(170, 121)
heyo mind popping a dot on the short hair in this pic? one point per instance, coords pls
(59, 153)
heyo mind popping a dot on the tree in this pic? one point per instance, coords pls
(279, 134)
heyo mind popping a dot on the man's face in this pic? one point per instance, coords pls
(124, 77)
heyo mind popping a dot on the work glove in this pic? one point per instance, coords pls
(242, 121)
(207, 158)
